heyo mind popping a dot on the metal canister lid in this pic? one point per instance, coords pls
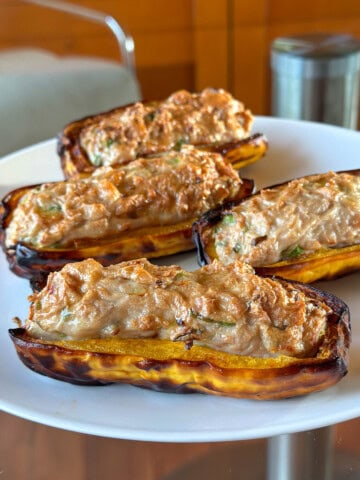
(314, 55)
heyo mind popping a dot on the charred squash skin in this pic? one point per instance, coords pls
(36, 263)
(74, 158)
(168, 366)
(325, 264)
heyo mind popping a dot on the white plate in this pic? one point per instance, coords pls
(121, 411)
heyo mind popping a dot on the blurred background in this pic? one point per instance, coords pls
(183, 43)
(57, 66)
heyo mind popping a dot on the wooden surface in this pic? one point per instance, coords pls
(29, 451)
(184, 43)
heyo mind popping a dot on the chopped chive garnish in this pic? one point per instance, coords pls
(228, 219)
(50, 208)
(97, 160)
(65, 314)
(149, 117)
(202, 318)
(109, 142)
(53, 208)
(174, 161)
(237, 248)
(292, 252)
(55, 245)
(181, 275)
(179, 144)
(220, 244)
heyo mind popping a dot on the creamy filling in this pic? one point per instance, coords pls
(212, 116)
(228, 308)
(302, 217)
(164, 190)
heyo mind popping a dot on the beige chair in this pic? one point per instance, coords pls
(40, 92)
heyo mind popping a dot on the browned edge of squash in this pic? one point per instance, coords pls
(168, 366)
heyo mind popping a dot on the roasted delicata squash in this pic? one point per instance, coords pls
(212, 120)
(143, 209)
(307, 229)
(220, 329)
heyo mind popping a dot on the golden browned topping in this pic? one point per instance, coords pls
(212, 116)
(166, 190)
(301, 217)
(227, 308)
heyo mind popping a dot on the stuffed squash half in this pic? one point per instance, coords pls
(211, 120)
(143, 209)
(221, 329)
(307, 229)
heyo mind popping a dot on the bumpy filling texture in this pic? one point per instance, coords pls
(228, 308)
(164, 190)
(209, 117)
(301, 217)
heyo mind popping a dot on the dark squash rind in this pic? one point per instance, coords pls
(169, 367)
(326, 264)
(74, 158)
(35, 264)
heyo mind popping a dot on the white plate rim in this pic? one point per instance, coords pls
(340, 403)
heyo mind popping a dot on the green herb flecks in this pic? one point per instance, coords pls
(109, 142)
(65, 314)
(228, 219)
(237, 248)
(50, 209)
(202, 318)
(220, 243)
(137, 289)
(173, 161)
(97, 160)
(178, 145)
(149, 117)
(181, 275)
(56, 245)
(292, 252)
(54, 208)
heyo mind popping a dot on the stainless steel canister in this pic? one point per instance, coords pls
(316, 77)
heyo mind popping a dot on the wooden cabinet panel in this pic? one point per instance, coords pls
(146, 15)
(248, 12)
(25, 23)
(307, 10)
(250, 63)
(211, 59)
(142, 15)
(211, 44)
(210, 14)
